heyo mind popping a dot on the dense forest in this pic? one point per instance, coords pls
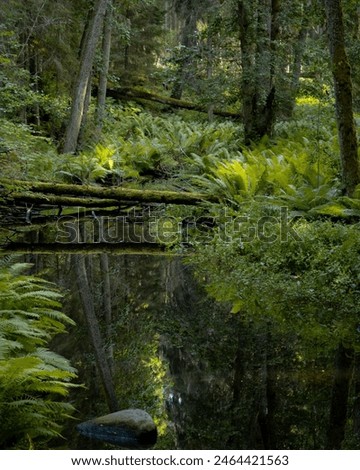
(179, 221)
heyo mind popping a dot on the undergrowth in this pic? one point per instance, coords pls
(299, 166)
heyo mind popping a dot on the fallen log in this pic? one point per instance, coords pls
(48, 199)
(138, 94)
(23, 189)
(155, 249)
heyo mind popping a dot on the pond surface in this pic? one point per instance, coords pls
(210, 379)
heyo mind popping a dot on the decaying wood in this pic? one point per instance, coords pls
(137, 94)
(18, 189)
(86, 248)
(48, 199)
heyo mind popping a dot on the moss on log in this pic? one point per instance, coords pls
(138, 94)
(21, 188)
(42, 199)
(86, 248)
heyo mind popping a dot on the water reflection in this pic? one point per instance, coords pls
(210, 379)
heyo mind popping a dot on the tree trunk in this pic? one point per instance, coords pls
(258, 37)
(82, 133)
(343, 96)
(94, 331)
(287, 103)
(86, 61)
(188, 40)
(106, 48)
(339, 397)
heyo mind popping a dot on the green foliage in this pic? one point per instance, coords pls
(33, 379)
(302, 275)
(138, 27)
(25, 154)
(138, 145)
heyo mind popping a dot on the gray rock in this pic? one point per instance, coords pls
(130, 429)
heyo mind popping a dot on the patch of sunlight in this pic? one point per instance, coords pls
(308, 100)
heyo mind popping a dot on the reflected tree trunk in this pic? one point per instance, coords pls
(356, 407)
(253, 400)
(104, 265)
(106, 289)
(339, 397)
(267, 398)
(235, 442)
(94, 331)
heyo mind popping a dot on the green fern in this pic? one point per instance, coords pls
(33, 380)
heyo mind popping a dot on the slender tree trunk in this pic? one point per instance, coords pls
(24, 60)
(128, 26)
(185, 61)
(35, 73)
(298, 55)
(343, 96)
(94, 331)
(81, 84)
(287, 103)
(82, 132)
(248, 90)
(339, 397)
(209, 73)
(106, 48)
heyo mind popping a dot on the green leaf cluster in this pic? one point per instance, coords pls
(33, 380)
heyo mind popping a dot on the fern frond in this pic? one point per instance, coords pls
(31, 376)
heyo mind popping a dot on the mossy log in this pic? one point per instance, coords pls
(48, 199)
(154, 249)
(138, 94)
(21, 190)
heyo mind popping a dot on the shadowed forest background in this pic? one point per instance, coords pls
(179, 221)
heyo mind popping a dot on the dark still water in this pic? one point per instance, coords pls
(209, 378)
